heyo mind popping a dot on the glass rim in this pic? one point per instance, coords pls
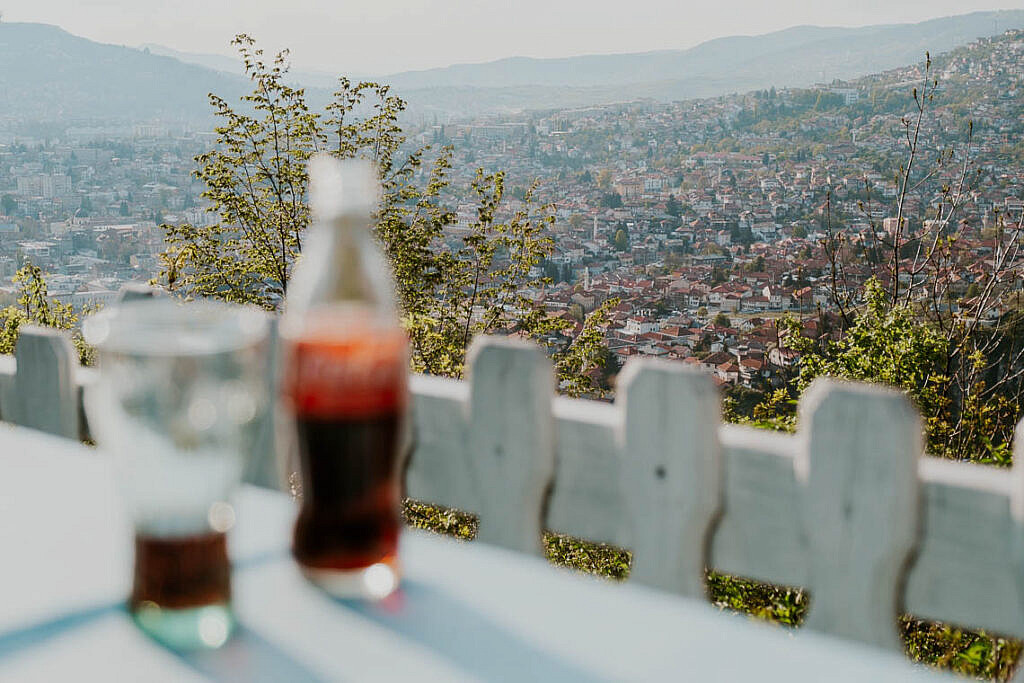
(165, 326)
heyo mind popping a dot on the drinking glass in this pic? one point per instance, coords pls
(176, 404)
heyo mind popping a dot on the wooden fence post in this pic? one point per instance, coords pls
(511, 440)
(490, 450)
(860, 506)
(670, 472)
(43, 394)
(264, 466)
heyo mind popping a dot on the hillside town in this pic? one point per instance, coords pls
(86, 206)
(703, 220)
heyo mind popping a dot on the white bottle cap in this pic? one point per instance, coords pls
(342, 188)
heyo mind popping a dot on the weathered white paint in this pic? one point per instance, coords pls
(588, 501)
(262, 467)
(759, 535)
(846, 507)
(857, 464)
(669, 472)
(43, 393)
(8, 396)
(490, 457)
(966, 569)
(644, 473)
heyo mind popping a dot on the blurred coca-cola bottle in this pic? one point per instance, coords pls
(344, 389)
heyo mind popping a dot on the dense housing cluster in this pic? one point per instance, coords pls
(706, 219)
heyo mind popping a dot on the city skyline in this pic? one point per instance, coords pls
(436, 33)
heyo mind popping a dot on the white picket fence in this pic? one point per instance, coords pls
(848, 507)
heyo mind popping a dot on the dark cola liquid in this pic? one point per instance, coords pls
(181, 572)
(349, 518)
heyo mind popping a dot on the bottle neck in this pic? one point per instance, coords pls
(342, 264)
(348, 247)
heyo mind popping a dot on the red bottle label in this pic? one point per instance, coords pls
(355, 372)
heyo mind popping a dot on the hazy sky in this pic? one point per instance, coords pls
(382, 36)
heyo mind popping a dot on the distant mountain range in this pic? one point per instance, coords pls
(47, 74)
(50, 75)
(803, 53)
(233, 65)
(795, 57)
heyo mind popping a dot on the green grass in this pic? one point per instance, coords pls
(440, 520)
(778, 604)
(969, 653)
(599, 559)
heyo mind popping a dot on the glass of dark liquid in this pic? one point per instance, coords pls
(175, 405)
(343, 391)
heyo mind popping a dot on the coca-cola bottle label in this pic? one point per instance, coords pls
(351, 370)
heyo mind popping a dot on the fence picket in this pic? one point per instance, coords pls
(8, 396)
(511, 440)
(587, 501)
(759, 535)
(136, 291)
(858, 467)
(263, 467)
(491, 451)
(44, 394)
(965, 567)
(671, 472)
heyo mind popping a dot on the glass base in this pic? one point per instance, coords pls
(368, 583)
(195, 628)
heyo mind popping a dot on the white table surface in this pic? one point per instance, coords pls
(466, 611)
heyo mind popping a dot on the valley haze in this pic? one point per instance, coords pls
(86, 79)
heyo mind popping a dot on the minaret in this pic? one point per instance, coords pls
(586, 278)
(594, 236)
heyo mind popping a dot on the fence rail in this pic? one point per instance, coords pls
(848, 507)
